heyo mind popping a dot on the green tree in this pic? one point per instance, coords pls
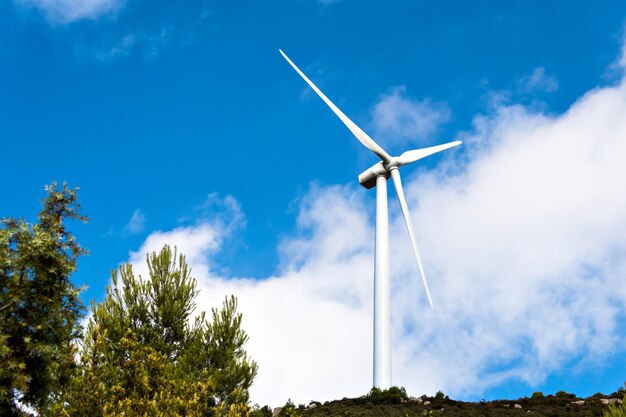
(40, 308)
(441, 396)
(391, 395)
(289, 410)
(142, 354)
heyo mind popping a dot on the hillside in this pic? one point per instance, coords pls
(395, 402)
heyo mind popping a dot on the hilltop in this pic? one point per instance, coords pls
(395, 402)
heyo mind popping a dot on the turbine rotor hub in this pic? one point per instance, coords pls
(368, 177)
(393, 163)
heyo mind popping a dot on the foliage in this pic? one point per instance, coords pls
(40, 308)
(621, 392)
(392, 395)
(289, 410)
(258, 411)
(617, 410)
(548, 406)
(440, 396)
(538, 395)
(562, 395)
(143, 356)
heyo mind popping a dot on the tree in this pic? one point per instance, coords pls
(538, 395)
(391, 395)
(40, 308)
(289, 409)
(142, 355)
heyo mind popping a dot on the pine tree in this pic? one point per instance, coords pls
(40, 308)
(142, 354)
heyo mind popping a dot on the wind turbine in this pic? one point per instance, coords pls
(377, 176)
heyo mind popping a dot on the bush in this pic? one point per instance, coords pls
(440, 396)
(538, 395)
(289, 410)
(618, 410)
(392, 395)
(257, 411)
(562, 395)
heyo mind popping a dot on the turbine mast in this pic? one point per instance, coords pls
(382, 290)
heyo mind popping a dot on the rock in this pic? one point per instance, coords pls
(517, 406)
(312, 405)
(609, 401)
(426, 402)
(416, 400)
(276, 411)
(579, 402)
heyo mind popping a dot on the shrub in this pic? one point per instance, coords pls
(562, 395)
(289, 410)
(392, 395)
(264, 411)
(617, 410)
(538, 395)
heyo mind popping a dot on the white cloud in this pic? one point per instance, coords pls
(66, 11)
(525, 249)
(399, 119)
(136, 223)
(538, 80)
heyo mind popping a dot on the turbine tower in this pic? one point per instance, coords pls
(377, 176)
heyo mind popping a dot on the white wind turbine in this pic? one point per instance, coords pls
(377, 175)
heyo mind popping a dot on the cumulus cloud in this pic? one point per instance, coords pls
(524, 243)
(526, 246)
(66, 11)
(400, 119)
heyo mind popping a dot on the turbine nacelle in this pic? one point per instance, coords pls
(368, 177)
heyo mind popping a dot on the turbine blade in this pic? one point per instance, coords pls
(356, 131)
(397, 182)
(412, 156)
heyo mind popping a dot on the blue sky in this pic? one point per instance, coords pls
(182, 121)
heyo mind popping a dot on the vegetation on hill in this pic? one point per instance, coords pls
(396, 402)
